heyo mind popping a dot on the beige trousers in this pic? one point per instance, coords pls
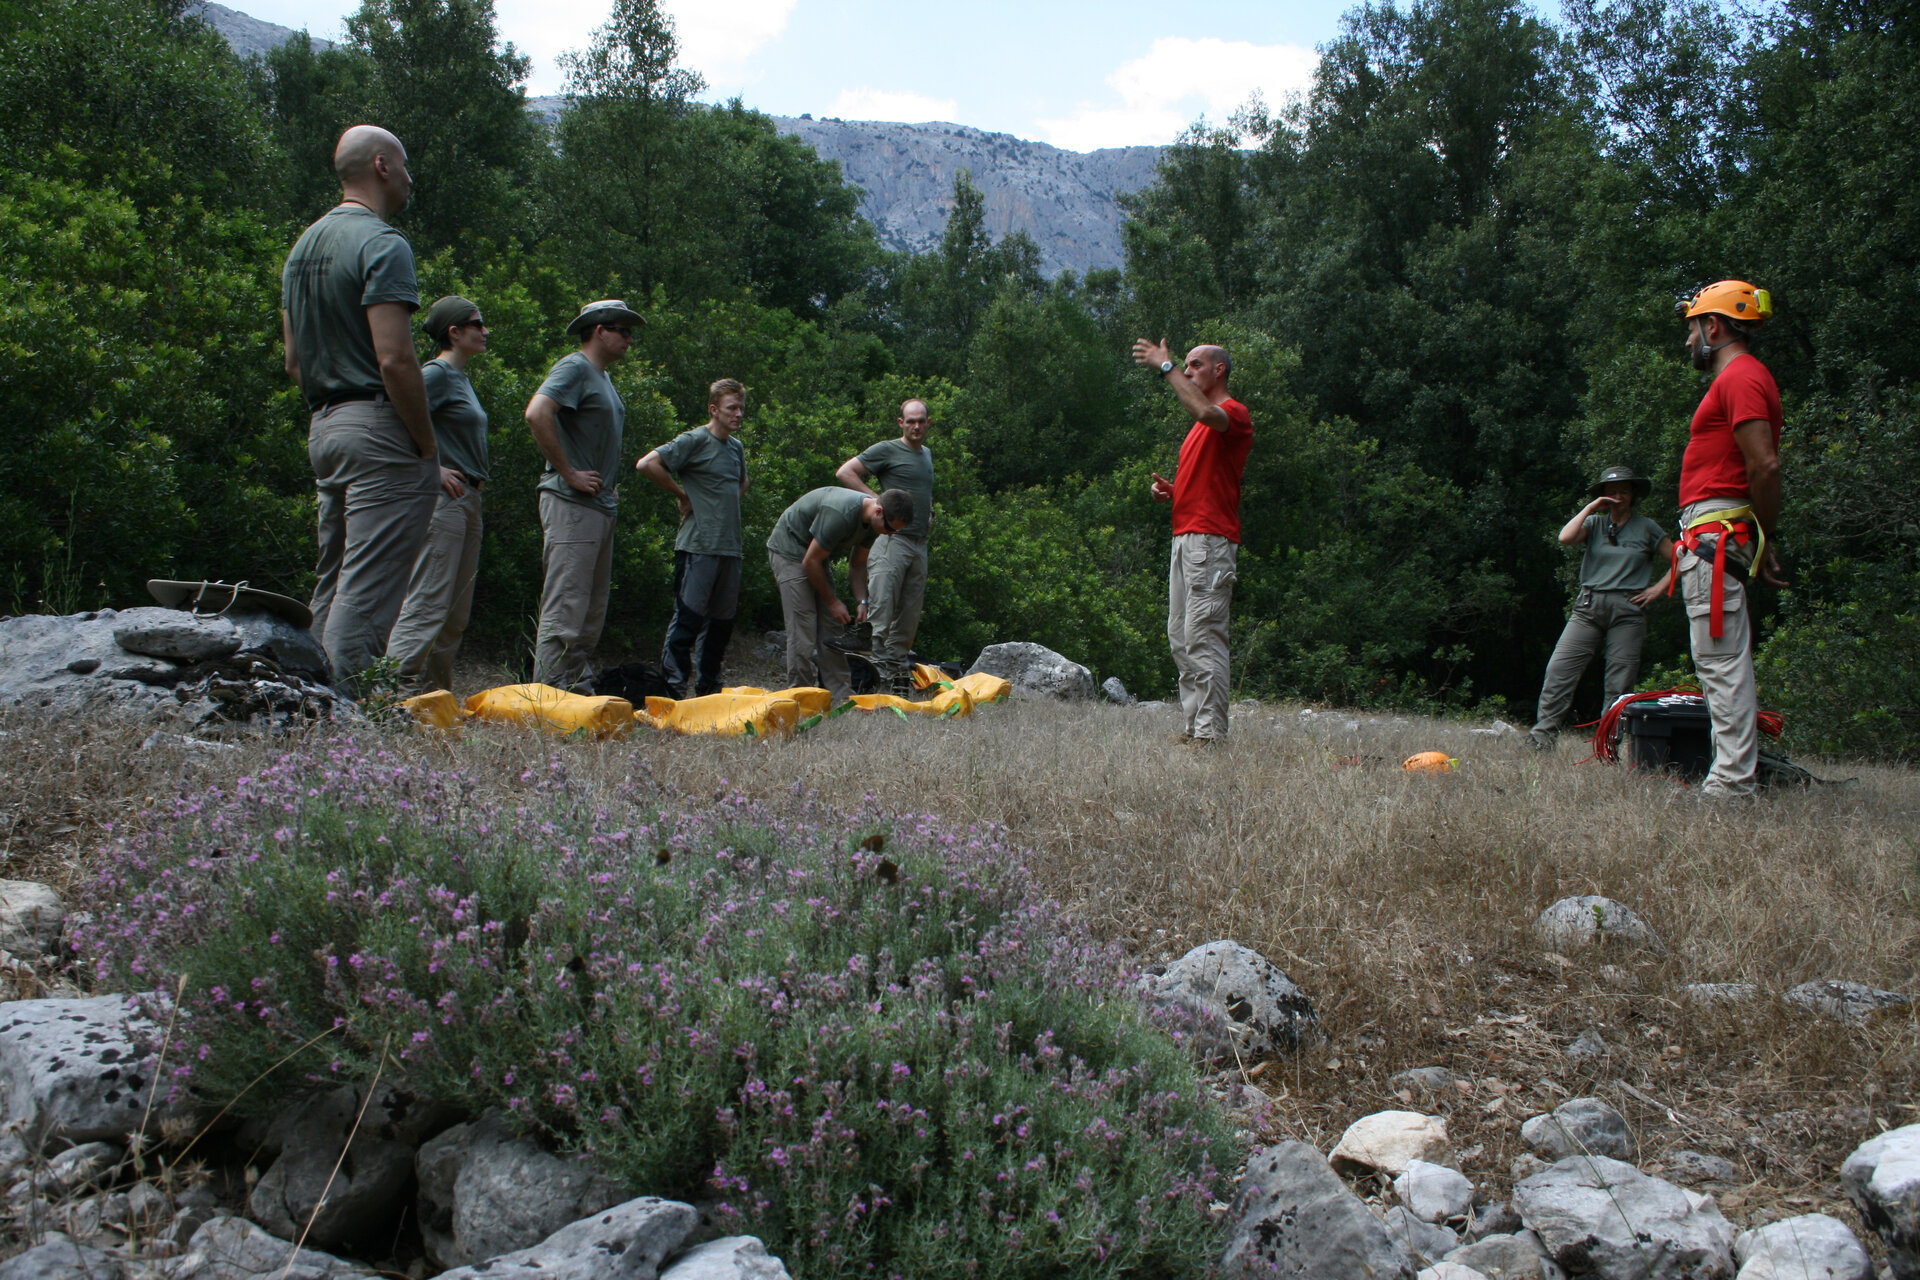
(1725, 666)
(440, 597)
(376, 497)
(811, 662)
(1599, 618)
(1200, 578)
(577, 555)
(896, 589)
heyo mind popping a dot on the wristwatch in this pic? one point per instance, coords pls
(1166, 367)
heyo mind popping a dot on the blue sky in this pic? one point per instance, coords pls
(1078, 75)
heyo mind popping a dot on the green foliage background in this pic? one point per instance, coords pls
(1446, 273)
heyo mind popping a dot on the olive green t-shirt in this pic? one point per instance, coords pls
(830, 516)
(894, 464)
(1626, 563)
(459, 423)
(344, 263)
(593, 423)
(711, 470)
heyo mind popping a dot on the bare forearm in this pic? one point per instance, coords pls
(816, 568)
(854, 477)
(545, 425)
(653, 469)
(1196, 403)
(1575, 530)
(401, 377)
(1763, 483)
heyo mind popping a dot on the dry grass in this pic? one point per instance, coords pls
(1401, 903)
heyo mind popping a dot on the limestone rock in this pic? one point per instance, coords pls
(1240, 999)
(55, 663)
(1579, 1126)
(1388, 1141)
(61, 1259)
(1117, 692)
(1515, 1256)
(175, 634)
(363, 1195)
(235, 1249)
(1294, 1219)
(30, 917)
(1854, 1002)
(1589, 920)
(78, 1166)
(1419, 1080)
(1693, 1167)
(295, 650)
(728, 1258)
(1810, 1247)
(1433, 1192)
(1605, 1218)
(1496, 1219)
(626, 1242)
(485, 1192)
(1035, 669)
(1720, 992)
(1421, 1243)
(1589, 1050)
(1882, 1178)
(69, 1071)
(1451, 1270)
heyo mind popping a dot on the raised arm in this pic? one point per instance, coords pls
(1574, 531)
(853, 474)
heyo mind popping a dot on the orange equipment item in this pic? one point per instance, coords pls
(1734, 299)
(1429, 762)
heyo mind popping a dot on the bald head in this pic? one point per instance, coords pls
(1214, 356)
(372, 167)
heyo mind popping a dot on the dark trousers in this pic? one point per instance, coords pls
(690, 625)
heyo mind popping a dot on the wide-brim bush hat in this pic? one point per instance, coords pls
(218, 597)
(1621, 475)
(605, 311)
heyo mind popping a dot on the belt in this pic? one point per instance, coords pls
(349, 398)
(1734, 523)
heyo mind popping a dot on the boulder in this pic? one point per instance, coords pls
(1294, 1217)
(1882, 1178)
(362, 1193)
(1515, 1256)
(1036, 669)
(1114, 691)
(1421, 1243)
(1579, 1126)
(70, 1072)
(77, 1167)
(1810, 1247)
(1450, 1270)
(235, 1249)
(1433, 1192)
(1388, 1141)
(1604, 1218)
(59, 1258)
(728, 1258)
(485, 1192)
(30, 918)
(1496, 1219)
(1590, 920)
(626, 1242)
(1693, 1167)
(59, 664)
(175, 634)
(1854, 1002)
(295, 650)
(1241, 1000)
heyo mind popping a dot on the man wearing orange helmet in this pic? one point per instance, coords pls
(1729, 508)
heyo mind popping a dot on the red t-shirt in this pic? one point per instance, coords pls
(1206, 488)
(1713, 466)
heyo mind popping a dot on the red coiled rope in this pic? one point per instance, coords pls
(1606, 737)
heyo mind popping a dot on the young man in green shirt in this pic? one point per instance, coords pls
(347, 295)
(809, 534)
(897, 569)
(579, 421)
(705, 470)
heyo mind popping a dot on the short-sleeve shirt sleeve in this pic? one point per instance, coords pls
(387, 267)
(566, 383)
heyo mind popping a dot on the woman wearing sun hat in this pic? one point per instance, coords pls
(439, 601)
(1616, 585)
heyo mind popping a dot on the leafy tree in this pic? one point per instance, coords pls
(935, 302)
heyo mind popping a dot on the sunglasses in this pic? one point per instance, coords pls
(475, 323)
(624, 330)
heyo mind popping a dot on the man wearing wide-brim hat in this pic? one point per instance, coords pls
(1616, 571)
(579, 422)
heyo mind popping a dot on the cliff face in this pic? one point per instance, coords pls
(247, 35)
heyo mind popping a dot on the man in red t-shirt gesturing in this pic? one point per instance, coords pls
(1729, 508)
(1205, 493)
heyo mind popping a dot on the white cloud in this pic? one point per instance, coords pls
(891, 104)
(1176, 80)
(719, 37)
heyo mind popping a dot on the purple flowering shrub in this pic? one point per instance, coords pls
(872, 1039)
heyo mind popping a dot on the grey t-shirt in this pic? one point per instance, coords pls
(893, 464)
(459, 423)
(344, 263)
(830, 516)
(711, 470)
(1627, 562)
(593, 423)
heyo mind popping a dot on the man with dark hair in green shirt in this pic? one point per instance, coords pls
(897, 569)
(346, 297)
(819, 526)
(705, 469)
(579, 422)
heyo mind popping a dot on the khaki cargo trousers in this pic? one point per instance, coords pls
(440, 596)
(376, 498)
(577, 556)
(1724, 666)
(1200, 578)
(1599, 618)
(896, 590)
(811, 661)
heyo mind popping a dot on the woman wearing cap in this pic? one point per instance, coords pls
(1615, 573)
(440, 596)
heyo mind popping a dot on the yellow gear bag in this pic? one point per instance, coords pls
(951, 702)
(554, 710)
(728, 715)
(436, 710)
(813, 701)
(985, 688)
(928, 677)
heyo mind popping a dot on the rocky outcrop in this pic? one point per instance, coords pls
(1882, 1178)
(1604, 1218)
(1812, 1246)
(30, 919)
(1239, 1000)
(1590, 920)
(1036, 669)
(1295, 1219)
(1579, 1126)
(1390, 1141)
(70, 1072)
(345, 1200)
(485, 1192)
(627, 1242)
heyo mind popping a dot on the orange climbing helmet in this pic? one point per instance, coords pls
(1734, 299)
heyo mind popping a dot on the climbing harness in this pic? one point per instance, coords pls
(1736, 523)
